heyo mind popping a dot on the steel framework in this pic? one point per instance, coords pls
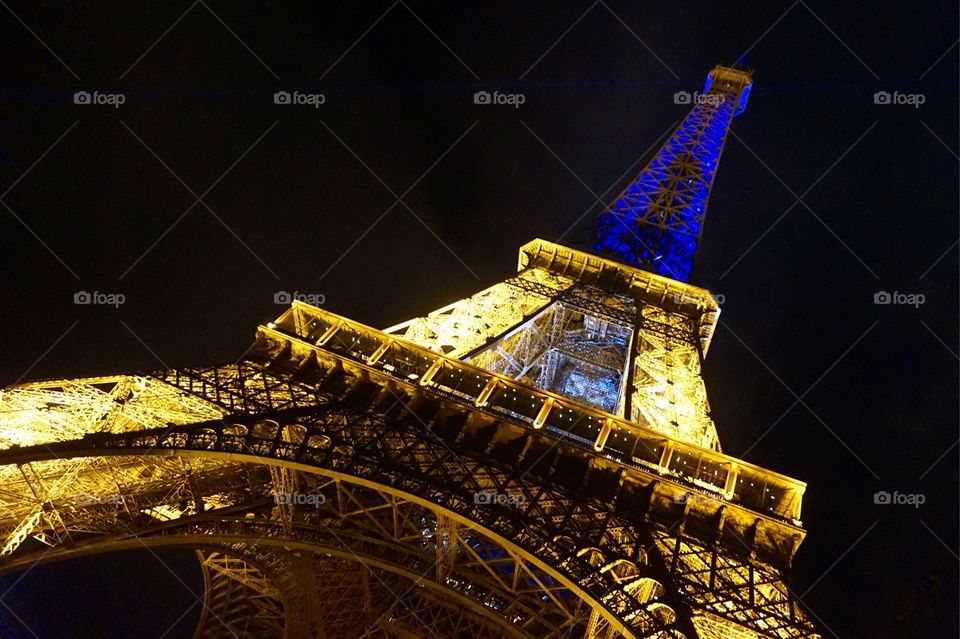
(537, 460)
(657, 222)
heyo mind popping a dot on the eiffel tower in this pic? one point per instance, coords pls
(537, 460)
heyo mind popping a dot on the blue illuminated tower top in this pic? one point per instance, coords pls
(656, 223)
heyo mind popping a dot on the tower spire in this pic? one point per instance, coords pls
(656, 222)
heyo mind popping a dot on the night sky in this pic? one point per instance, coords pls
(823, 199)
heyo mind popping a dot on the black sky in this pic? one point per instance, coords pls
(807, 376)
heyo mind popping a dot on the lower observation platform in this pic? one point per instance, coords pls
(679, 481)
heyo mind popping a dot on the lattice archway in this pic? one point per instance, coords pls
(524, 561)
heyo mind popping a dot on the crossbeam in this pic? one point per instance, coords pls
(762, 491)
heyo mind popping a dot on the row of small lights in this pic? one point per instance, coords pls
(570, 410)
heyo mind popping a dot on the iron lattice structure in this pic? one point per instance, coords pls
(537, 460)
(657, 222)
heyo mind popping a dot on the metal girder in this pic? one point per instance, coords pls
(616, 279)
(239, 600)
(729, 587)
(667, 388)
(461, 327)
(337, 400)
(617, 308)
(362, 444)
(347, 349)
(657, 221)
(380, 458)
(667, 392)
(594, 353)
(39, 412)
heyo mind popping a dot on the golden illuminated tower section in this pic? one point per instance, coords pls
(537, 460)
